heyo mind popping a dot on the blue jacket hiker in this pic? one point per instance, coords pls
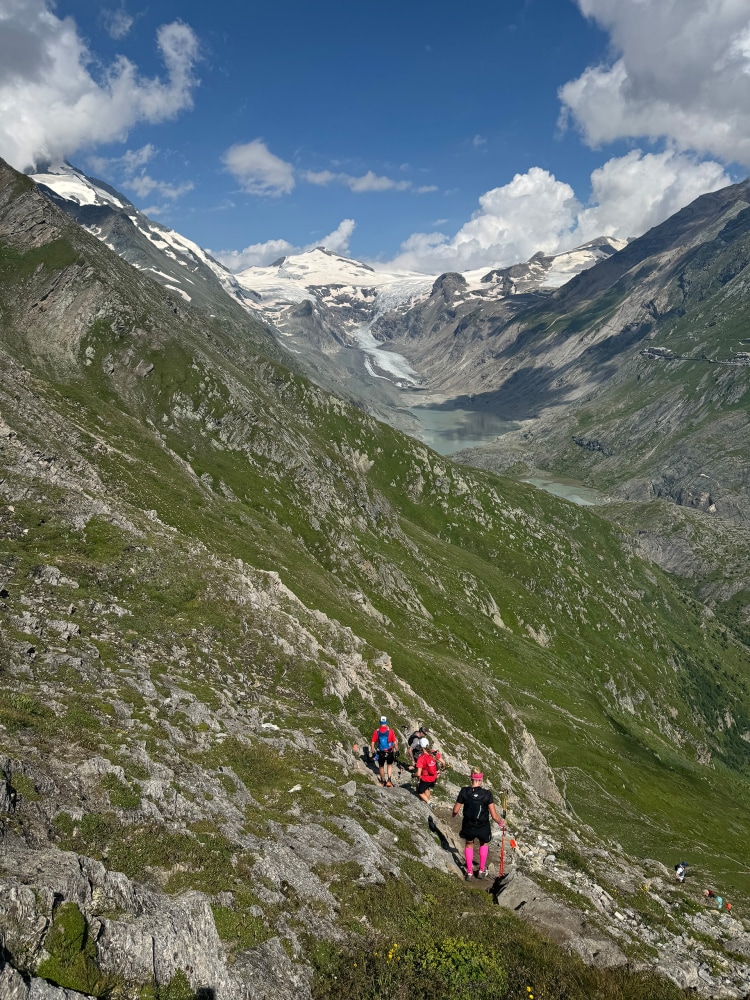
(384, 745)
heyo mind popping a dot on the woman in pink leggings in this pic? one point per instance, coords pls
(479, 807)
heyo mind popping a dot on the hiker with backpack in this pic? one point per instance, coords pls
(426, 771)
(415, 749)
(479, 807)
(383, 748)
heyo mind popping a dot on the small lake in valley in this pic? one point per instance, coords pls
(450, 430)
(584, 496)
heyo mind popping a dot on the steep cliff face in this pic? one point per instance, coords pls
(633, 376)
(216, 577)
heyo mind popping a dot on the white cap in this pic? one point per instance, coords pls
(424, 742)
(383, 719)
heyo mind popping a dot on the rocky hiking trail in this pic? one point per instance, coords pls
(576, 912)
(143, 934)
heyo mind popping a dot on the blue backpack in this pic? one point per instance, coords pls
(383, 741)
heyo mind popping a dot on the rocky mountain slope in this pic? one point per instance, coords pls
(636, 371)
(216, 576)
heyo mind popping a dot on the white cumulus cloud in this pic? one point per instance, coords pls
(680, 71)
(367, 182)
(263, 254)
(53, 102)
(255, 255)
(258, 170)
(511, 223)
(143, 185)
(117, 22)
(338, 240)
(374, 182)
(535, 211)
(131, 168)
(632, 193)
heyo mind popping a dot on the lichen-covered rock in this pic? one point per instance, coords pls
(269, 974)
(14, 986)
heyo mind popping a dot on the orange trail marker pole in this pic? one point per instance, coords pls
(504, 807)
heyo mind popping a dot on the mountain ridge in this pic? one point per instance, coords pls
(145, 244)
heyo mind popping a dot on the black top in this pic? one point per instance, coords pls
(476, 802)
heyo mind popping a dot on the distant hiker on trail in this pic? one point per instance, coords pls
(384, 744)
(710, 894)
(479, 807)
(679, 871)
(427, 771)
(413, 744)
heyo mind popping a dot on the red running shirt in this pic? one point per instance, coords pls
(428, 765)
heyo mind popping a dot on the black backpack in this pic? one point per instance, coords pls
(476, 808)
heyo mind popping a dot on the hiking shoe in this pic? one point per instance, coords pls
(482, 873)
(389, 784)
(469, 876)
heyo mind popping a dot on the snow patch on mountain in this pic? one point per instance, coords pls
(74, 186)
(541, 272)
(340, 284)
(333, 281)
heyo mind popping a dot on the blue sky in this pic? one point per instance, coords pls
(417, 135)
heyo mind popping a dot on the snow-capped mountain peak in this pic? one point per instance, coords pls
(71, 184)
(541, 271)
(331, 281)
(319, 261)
(178, 263)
